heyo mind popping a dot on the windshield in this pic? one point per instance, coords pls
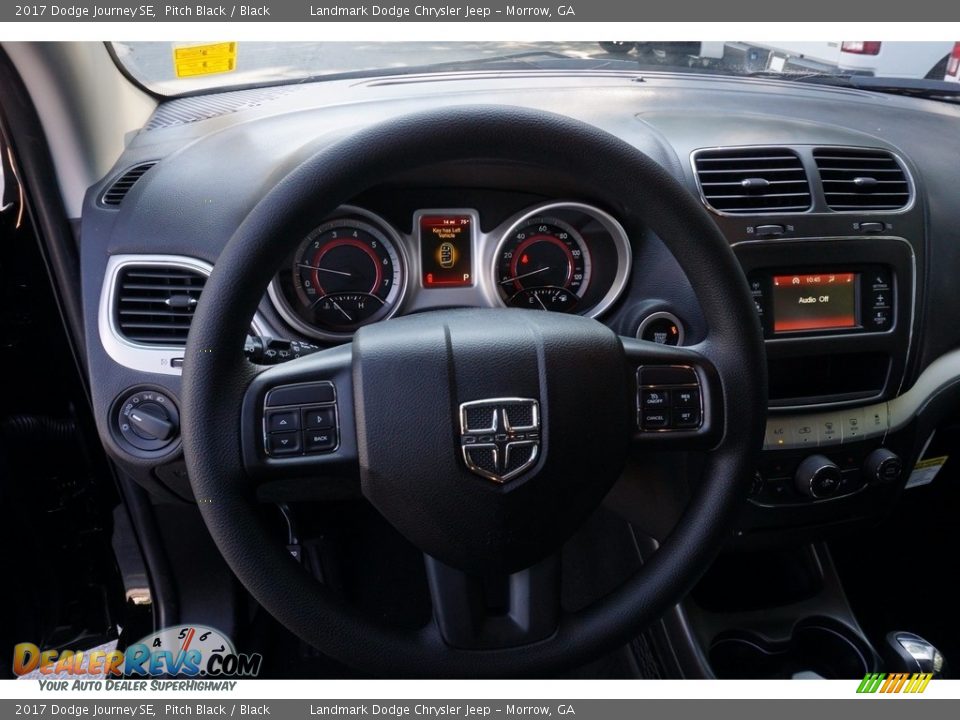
(172, 68)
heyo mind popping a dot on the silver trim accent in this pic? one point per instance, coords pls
(911, 187)
(910, 328)
(507, 440)
(282, 307)
(768, 212)
(137, 356)
(661, 315)
(611, 225)
(806, 158)
(939, 376)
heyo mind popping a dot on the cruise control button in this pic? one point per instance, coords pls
(686, 398)
(688, 418)
(653, 419)
(318, 418)
(284, 443)
(319, 440)
(283, 420)
(654, 399)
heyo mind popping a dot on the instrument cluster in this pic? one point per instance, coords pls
(356, 268)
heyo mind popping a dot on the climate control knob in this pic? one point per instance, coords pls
(818, 477)
(882, 466)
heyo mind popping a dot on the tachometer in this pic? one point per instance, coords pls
(346, 273)
(543, 264)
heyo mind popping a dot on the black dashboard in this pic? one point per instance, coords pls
(839, 204)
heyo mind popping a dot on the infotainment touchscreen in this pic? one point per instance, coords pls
(815, 301)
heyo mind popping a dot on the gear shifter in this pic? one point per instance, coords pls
(911, 653)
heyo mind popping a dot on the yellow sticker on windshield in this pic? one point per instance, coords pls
(195, 60)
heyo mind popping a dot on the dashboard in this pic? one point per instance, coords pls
(838, 204)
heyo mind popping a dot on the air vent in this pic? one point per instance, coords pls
(862, 179)
(155, 303)
(122, 185)
(753, 180)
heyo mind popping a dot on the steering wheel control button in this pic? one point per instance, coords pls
(305, 394)
(283, 420)
(668, 398)
(655, 399)
(284, 443)
(319, 418)
(686, 418)
(686, 398)
(655, 420)
(147, 421)
(297, 430)
(315, 441)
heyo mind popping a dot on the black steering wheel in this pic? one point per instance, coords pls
(421, 400)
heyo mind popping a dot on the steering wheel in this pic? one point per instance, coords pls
(485, 437)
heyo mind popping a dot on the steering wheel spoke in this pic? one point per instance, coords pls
(475, 612)
(298, 424)
(678, 396)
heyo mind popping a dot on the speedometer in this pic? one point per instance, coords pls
(543, 264)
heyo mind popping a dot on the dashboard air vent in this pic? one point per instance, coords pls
(155, 303)
(861, 179)
(123, 184)
(753, 180)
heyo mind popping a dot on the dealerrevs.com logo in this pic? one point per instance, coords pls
(182, 651)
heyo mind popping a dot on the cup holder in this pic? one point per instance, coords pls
(820, 645)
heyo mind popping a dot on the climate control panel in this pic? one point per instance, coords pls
(826, 429)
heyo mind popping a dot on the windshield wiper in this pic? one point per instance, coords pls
(910, 87)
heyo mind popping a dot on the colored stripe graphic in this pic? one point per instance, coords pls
(913, 683)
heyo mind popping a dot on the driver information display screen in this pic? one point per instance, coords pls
(818, 301)
(446, 256)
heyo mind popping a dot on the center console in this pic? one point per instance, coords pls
(836, 315)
